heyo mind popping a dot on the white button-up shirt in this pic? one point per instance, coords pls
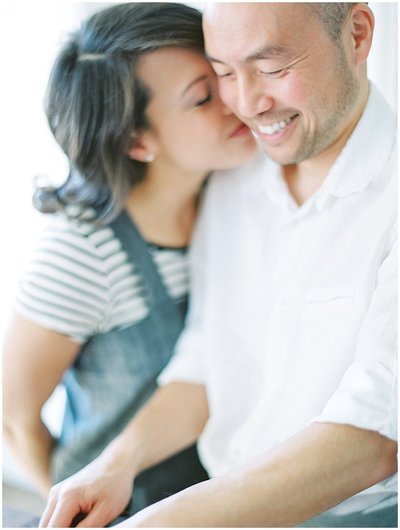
(293, 312)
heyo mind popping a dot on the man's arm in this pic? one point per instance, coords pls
(171, 421)
(306, 475)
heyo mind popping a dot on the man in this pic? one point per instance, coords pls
(287, 368)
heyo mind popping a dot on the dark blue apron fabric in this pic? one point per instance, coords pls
(115, 374)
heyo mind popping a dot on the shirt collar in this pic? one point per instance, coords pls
(361, 159)
(367, 149)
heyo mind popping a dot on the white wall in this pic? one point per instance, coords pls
(383, 58)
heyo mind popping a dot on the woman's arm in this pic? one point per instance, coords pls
(172, 420)
(34, 361)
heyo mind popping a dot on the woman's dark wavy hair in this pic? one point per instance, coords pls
(95, 101)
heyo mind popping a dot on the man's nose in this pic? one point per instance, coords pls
(253, 97)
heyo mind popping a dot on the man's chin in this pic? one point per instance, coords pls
(283, 159)
(284, 156)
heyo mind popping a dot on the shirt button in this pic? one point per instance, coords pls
(236, 455)
(281, 304)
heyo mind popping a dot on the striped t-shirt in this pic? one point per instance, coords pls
(80, 281)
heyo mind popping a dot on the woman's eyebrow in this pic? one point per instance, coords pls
(202, 77)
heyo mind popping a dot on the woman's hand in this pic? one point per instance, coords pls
(170, 421)
(93, 497)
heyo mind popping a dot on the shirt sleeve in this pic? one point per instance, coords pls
(367, 394)
(64, 287)
(188, 363)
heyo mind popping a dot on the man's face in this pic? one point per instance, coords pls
(281, 73)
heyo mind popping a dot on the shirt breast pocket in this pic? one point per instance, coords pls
(330, 295)
(328, 326)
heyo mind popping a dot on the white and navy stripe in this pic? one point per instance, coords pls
(80, 281)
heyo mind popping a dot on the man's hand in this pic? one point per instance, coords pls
(93, 497)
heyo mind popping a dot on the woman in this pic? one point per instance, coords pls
(134, 105)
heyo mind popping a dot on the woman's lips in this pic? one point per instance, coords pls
(240, 130)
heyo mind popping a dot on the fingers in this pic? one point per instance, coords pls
(99, 517)
(62, 508)
(79, 502)
(63, 514)
(48, 512)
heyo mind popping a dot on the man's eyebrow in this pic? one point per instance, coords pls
(202, 77)
(268, 52)
(271, 51)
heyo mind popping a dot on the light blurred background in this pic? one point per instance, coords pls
(30, 34)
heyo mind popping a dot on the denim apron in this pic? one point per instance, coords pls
(114, 375)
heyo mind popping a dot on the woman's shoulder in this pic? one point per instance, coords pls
(74, 241)
(79, 226)
(65, 286)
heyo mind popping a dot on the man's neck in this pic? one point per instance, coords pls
(305, 178)
(301, 185)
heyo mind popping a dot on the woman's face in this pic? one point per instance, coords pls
(191, 130)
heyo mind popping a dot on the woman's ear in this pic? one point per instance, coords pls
(142, 148)
(361, 29)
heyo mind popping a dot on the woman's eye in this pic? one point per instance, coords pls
(204, 101)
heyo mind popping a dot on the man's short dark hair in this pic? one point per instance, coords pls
(332, 15)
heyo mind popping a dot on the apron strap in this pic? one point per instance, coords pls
(139, 253)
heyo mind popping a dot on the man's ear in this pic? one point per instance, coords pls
(142, 148)
(361, 21)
